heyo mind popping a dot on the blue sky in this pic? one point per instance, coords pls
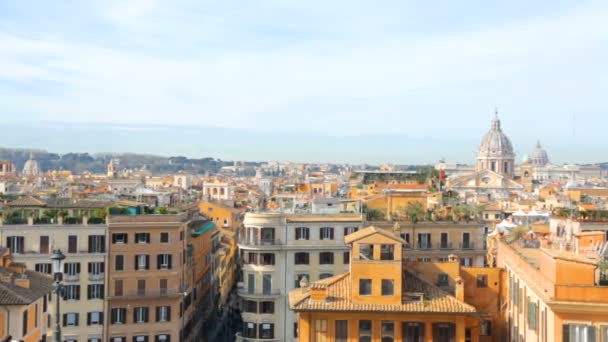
(379, 70)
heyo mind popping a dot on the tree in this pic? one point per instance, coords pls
(373, 214)
(413, 211)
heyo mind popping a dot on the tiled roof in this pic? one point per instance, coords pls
(11, 294)
(369, 231)
(434, 300)
(27, 201)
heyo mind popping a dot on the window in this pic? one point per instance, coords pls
(412, 331)
(120, 238)
(118, 315)
(252, 258)
(15, 244)
(118, 287)
(444, 242)
(267, 307)
(266, 283)
(95, 291)
(142, 237)
(119, 262)
(365, 287)
(424, 241)
(93, 339)
(70, 319)
(163, 261)
(442, 279)
(365, 331)
(482, 281)
(162, 338)
(578, 332)
(72, 244)
(142, 262)
(24, 321)
(444, 332)
(94, 318)
(267, 235)
(140, 314)
(406, 238)
(295, 329)
(96, 268)
(44, 245)
(140, 338)
(341, 331)
(43, 268)
(326, 233)
(71, 292)
(266, 330)
(485, 328)
(366, 252)
(302, 233)
(350, 230)
(466, 241)
(97, 244)
(164, 237)
(71, 268)
(267, 258)
(466, 261)
(532, 314)
(119, 339)
(346, 258)
(163, 313)
(388, 287)
(299, 278)
(249, 330)
(301, 258)
(250, 306)
(387, 329)
(162, 284)
(141, 287)
(387, 252)
(326, 258)
(320, 327)
(325, 275)
(424, 259)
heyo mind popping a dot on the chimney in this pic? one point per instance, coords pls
(85, 219)
(459, 289)
(6, 278)
(23, 282)
(318, 292)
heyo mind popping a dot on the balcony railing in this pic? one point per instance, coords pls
(262, 242)
(447, 245)
(427, 245)
(96, 277)
(468, 245)
(258, 293)
(71, 278)
(148, 293)
(240, 338)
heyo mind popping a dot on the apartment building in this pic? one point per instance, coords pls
(282, 250)
(554, 292)
(380, 299)
(157, 277)
(436, 241)
(24, 299)
(84, 246)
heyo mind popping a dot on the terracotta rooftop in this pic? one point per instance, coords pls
(434, 300)
(11, 294)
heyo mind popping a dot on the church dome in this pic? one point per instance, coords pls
(495, 143)
(539, 156)
(31, 167)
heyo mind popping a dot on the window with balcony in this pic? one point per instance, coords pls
(142, 262)
(142, 237)
(119, 262)
(70, 319)
(249, 330)
(95, 318)
(97, 244)
(162, 285)
(44, 245)
(164, 237)
(482, 281)
(466, 241)
(141, 287)
(15, 244)
(71, 268)
(366, 251)
(266, 330)
(95, 291)
(388, 287)
(163, 313)
(120, 238)
(267, 307)
(140, 314)
(326, 258)
(387, 330)
(424, 241)
(302, 233)
(365, 330)
(387, 252)
(341, 331)
(71, 292)
(118, 315)
(43, 268)
(252, 258)
(96, 268)
(301, 258)
(72, 244)
(445, 241)
(365, 287)
(250, 306)
(118, 283)
(163, 261)
(326, 233)
(267, 258)
(267, 236)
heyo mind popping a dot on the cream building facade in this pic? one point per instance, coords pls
(280, 252)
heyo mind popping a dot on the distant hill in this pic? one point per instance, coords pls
(80, 162)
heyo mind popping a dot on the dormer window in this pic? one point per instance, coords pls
(366, 251)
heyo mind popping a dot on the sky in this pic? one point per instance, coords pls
(305, 80)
